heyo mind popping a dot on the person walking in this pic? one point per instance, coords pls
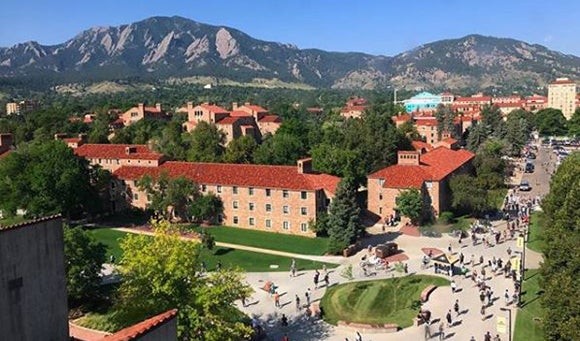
(326, 281)
(307, 295)
(449, 320)
(358, 337)
(441, 331)
(316, 275)
(427, 331)
(244, 302)
(277, 300)
(482, 312)
(293, 268)
(489, 294)
(453, 286)
(297, 299)
(472, 338)
(456, 307)
(487, 337)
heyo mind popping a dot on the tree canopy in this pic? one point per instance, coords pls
(410, 204)
(206, 143)
(343, 223)
(550, 122)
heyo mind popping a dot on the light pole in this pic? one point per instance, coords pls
(509, 322)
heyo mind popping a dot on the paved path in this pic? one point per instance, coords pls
(326, 259)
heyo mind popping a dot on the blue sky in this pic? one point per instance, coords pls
(372, 26)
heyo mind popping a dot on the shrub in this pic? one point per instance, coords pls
(446, 218)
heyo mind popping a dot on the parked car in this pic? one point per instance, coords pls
(525, 186)
(531, 156)
(529, 168)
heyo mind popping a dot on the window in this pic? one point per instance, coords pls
(429, 184)
(285, 209)
(235, 220)
(286, 225)
(304, 227)
(135, 196)
(268, 223)
(285, 194)
(203, 188)
(381, 182)
(235, 189)
(380, 210)
(303, 195)
(268, 192)
(268, 207)
(235, 205)
(251, 221)
(135, 183)
(303, 211)
(219, 188)
(251, 191)
(380, 196)
(148, 198)
(112, 184)
(251, 206)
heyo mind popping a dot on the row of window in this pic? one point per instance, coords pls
(268, 207)
(117, 161)
(251, 191)
(268, 223)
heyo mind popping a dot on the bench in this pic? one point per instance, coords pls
(426, 292)
(267, 286)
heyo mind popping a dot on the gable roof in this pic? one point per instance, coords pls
(29, 222)
(270, 118)
(142, 328)
(244, 175)
(255, 108)
(419, 145)
(240, 113)
(228, 120)
(116, 151)
(434, 165)
(213, 108)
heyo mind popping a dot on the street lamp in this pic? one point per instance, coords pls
(509, 322)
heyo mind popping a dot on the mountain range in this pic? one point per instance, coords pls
(176, 47)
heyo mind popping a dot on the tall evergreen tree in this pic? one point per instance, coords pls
(344, 226)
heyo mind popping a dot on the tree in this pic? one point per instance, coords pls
(466, 196)
(518, 130)
(207, 207)
(241, 150)
(410, 204)
(561, 234)
(550, 122)
(84, 258)
(574, 124)
(206, 143)
(171, 197)
(279, 149)
(99, 131)
(445, 120)
(476, 136)
(492, 122)
(44, 178)
(344, 226)
(171, 143)
(162, 273)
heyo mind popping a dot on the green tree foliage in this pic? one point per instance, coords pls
(99, 131)
(207, 207)
(445, 117)
(206, 143)
(170, 197)
(492, 122)
(467, 196)
(561, 298)
(140, 132)
(279, 149)
(84, 258)
(574, 124)
(241, 150)
(518, 130)
(408, 129)
(171, 142)
(162, 273)
(477, 135)
(344, 226)
(410, 204)
(46, 178)
(550, 122)
(489, 164)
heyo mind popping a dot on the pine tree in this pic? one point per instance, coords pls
(344, 226)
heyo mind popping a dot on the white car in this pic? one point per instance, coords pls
(525, 186)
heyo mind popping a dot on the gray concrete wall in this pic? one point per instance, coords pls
(33, 297)
(165, 332)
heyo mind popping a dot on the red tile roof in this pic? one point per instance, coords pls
(418, 145)
(449, 140)
(434, 165)
(4, 153)
(72, 140)
(142, 328)
(152, 110)
(116, 151)
(562, 81)
(401, 118)
(228, 120)
(214, 108)
(473, 99)
(270, 118)
(426, 122)
(314, 109)
(354, 108)
(256, 108)
(239, 113)
(245, 175)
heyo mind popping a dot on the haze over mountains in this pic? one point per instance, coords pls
(162, 47)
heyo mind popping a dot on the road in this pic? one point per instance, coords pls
(539, 180)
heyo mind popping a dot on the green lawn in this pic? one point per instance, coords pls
(269, 240)
(249, 261)
(535, 241)
(527, 328)
(394, 300)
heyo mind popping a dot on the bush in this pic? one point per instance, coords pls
(446, 218)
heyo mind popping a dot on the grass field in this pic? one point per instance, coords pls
(535, 241)
(528, 324)
(249, 261)
(269, 240)
(394, 300)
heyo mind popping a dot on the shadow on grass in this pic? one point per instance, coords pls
(222, 251)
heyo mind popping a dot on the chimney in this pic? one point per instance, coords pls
(305, 166)
(234, 106)
(246, 103)
(59, 136)
(130, 150)
(189, 106)
(158, 106)
(82, 139)
(406, 157)
(141, 106)
(6, 140)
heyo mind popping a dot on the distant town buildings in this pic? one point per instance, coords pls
(141, 111)
(354, 108)
(33, 296)
(562, 95)
(6, 143)
(424, 101)
(21, 107)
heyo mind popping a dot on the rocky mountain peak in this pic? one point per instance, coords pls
(225, 44)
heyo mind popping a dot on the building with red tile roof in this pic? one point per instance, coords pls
(562, 95)
(315, 110)
(141, 112)
(422, 147)
(400, 119)
(534, 103)
(354, 107)
(162, 327)
(113, 156)
(6, 144)
(282, 199)
(429, 172)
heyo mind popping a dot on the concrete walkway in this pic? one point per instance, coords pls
(325, 259)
